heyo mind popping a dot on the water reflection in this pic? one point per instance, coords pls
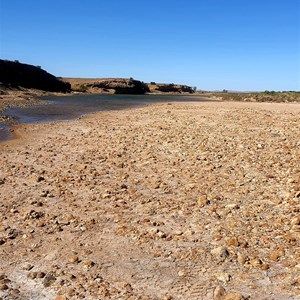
(71, 107)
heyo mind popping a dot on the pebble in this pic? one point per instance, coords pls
(241, 258)
(220, 252)
(295, 221)
(89, 263)
(202, 201)
(61, 297)
(275, 255)
(219, 293)
(224, 277)
(48, 280)
(74, 259)
(3, 287)
(234, 296)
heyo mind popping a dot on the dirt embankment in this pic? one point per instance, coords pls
(171, 201)
(125, 86)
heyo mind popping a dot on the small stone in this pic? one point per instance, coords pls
(220, 252)
(89, 263)
(74, 259)
(32, 275)
(14, 292)
(255, 262)
(48, 280)
(128, 288)
(234, 296)
(6, 281)
(232, 241)
(232, 206)
(61, 297)
(202, 201)
(44, 194)
(28, 267)
(295, 221)
(265, 267)
(40, 275)
(40, 178)
(161, 234)
(241, 258)
(178, 232)
(224, 277)
(181, 273)
(71, 292)
(275, 255)
(103, 291)
(219, 293)
(12, 234)
(4, 287)
(36, 214)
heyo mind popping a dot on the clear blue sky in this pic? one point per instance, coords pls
(211, 44)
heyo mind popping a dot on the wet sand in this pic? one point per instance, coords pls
(169, 201)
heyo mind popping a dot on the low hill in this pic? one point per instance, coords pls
(169, 88)
(16, 74)
(125, 86)
(108, 85)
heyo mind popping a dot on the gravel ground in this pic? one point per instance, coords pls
(169, 201)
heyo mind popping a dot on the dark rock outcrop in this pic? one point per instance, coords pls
(174, 88)
(16, 74)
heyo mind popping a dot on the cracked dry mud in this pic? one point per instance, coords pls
(169, 201)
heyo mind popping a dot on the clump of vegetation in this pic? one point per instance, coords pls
(172, 88)
(270, 92)
(82, 88)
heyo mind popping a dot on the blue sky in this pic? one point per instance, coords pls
(211, 44)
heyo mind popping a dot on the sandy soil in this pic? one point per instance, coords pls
(169, 201)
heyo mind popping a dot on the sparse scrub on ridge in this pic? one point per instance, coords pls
(266, 96)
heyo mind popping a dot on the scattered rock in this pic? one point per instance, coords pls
(171, 200)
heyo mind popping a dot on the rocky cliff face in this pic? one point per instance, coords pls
(123, 86)
(170, 88)
(109, 85)
(16, 74)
